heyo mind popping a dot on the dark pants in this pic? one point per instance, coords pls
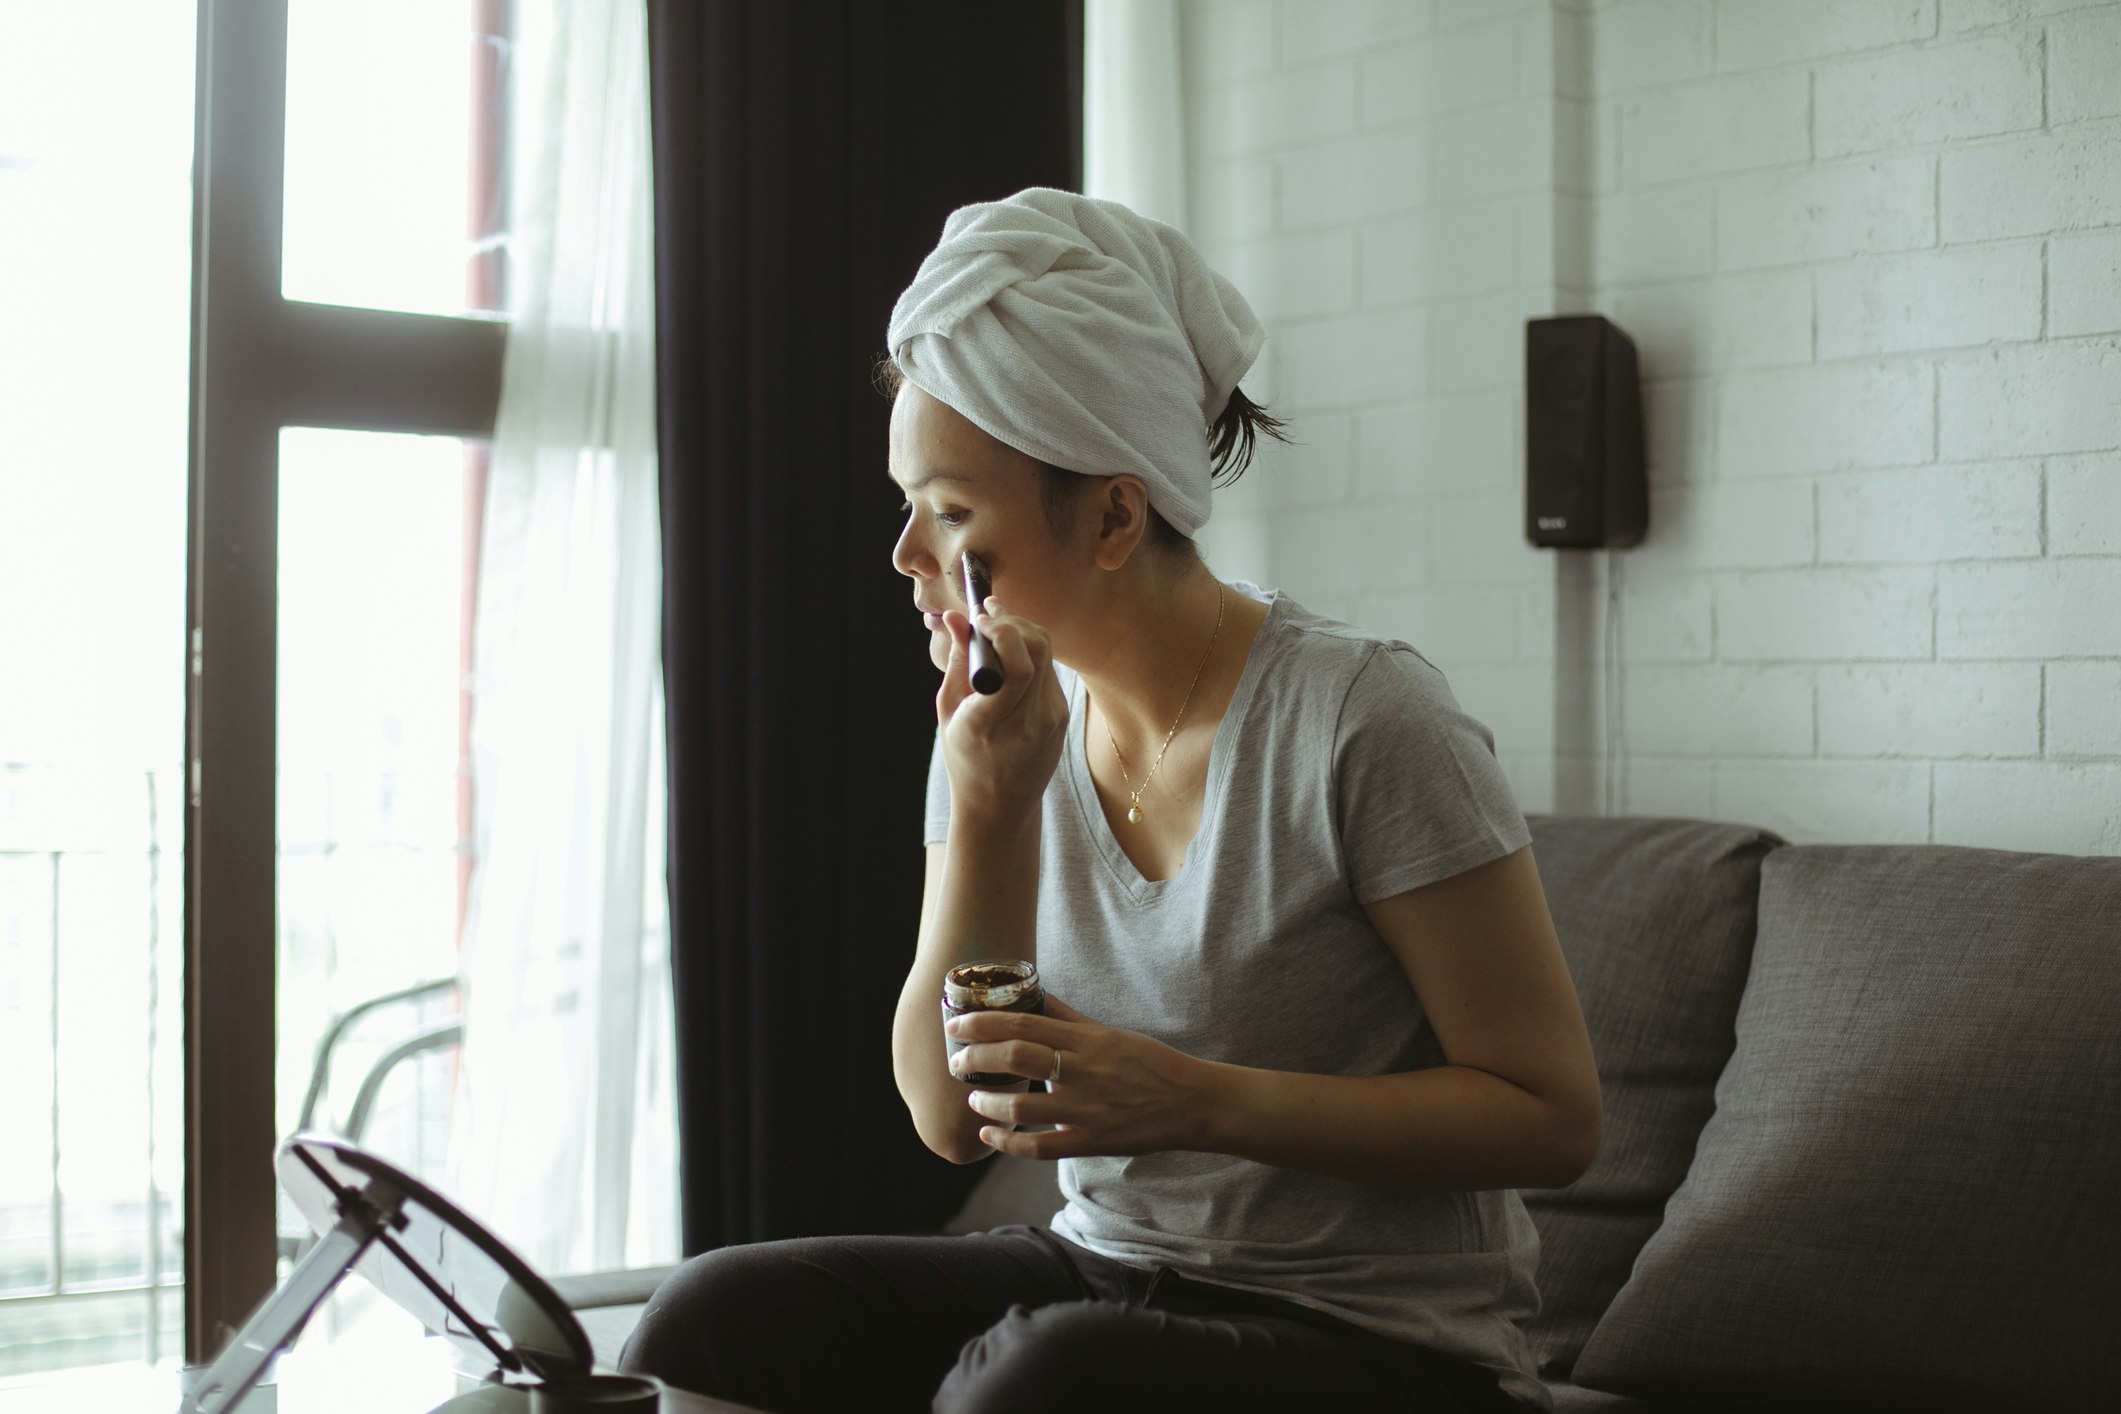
(1016, 1319)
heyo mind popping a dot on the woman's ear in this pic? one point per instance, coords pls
(1122, 518)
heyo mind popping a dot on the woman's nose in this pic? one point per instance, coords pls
(909, 557)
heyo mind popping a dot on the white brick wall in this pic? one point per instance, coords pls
(1394, 240)
(1870, 254)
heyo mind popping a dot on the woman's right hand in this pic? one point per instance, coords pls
(1001, 749)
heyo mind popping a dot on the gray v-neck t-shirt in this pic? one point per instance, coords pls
(1343, 772)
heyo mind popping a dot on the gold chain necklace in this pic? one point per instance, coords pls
(1134, 796)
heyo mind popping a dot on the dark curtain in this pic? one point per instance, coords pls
(805, 158)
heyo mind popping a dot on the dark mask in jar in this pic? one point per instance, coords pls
(995, 985)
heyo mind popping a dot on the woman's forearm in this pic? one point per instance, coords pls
(986, 907)
(1450, 1127)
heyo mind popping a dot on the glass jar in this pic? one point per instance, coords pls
(994, 984)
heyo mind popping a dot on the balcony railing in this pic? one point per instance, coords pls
(88, 1275)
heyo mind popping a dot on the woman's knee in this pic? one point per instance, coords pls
(729, 1305)
(1056, 1357)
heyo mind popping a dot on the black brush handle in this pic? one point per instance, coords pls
(986, 664)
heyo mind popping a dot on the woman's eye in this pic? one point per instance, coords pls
(948, 519)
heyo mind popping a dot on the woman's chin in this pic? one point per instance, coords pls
(939, 649)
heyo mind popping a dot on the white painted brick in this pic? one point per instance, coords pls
(1551, 240)
(1464, 12)
(2084, 67)
(2034, 806)
(1480, 540)
(1515, 703)
(1943, 93)
(1314, 30)
(1532, 779)
(1241, 546)
(1263, 381)
(2026, 400)
(1576, 788)
(1710, 711)
(2084, 709)
(2084, 283)
(1230, 198)
(1828, 418)
(1450, 626)
(1930, 710)
(1569, 50)
(1315, 553)
(1453, 251)
(1704, 326)
(1679, 424)
(1669, 618)
(1316, 469)
(1586, 147)
(1756, 33)
(1683, 790)
(1458, 69)
(1310, 272)
(2029, 609)
(1464, 443)
(1391, 544)
(1222, 42)
(1827, 802)
(2084, 506)
(1344, 181)
(1664, 234)
(1938, 513)
(1275, 110)
(1648, 42)
(1961, 15)
(1937, 299)
(1722, 525)
(1479, 344)
(2032, 185)
(1824, 213)
(1825, 614)
(1715, 125)
(1333, 606)
(1484, 152)
(1565, 233)
(1539, 618)
(1366, 358)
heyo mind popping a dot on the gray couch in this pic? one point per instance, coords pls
(1863, 1127)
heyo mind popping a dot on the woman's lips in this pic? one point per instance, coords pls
(931, 621)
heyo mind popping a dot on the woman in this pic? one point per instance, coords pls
(1308, 1024)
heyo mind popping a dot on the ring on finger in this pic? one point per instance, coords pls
(1054, 1078)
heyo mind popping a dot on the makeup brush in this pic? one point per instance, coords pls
(986, 664)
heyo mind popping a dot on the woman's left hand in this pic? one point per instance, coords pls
(1119, 1091)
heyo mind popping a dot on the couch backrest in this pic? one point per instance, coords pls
(1906, 1196)
(1656, 919)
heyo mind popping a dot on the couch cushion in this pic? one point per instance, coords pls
(1906, 1196)
(1656, 923)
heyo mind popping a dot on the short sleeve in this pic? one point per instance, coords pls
(1419, 795)
(938, 795)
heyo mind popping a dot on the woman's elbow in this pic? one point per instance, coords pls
(1581, 1150)
(957, 1148)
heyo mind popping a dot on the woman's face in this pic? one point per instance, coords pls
(965, 490)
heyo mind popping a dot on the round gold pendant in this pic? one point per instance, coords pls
(1134, 814)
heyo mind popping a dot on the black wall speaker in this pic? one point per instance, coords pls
(1584, 480)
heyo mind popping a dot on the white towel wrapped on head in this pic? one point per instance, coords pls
(1082, 334)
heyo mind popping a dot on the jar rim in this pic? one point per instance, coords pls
(962, 990)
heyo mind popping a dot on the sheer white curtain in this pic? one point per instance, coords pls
(1134, 135)
(565, 1138)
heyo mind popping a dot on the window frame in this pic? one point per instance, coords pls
(261, 362)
